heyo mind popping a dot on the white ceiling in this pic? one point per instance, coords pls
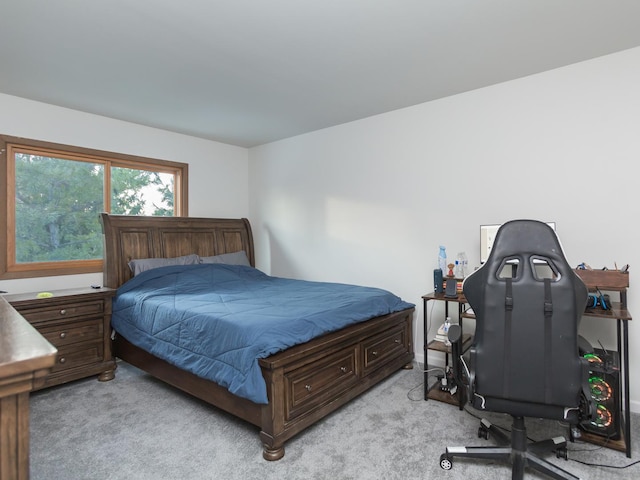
(248, 72)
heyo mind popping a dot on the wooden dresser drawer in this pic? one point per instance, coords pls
(378, 349)
(73, 332)
(312, 384)
(78, 355)
(60, 312)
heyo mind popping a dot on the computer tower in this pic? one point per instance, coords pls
(604, 383)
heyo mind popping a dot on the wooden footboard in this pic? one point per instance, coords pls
(307, 382)
(304, 383)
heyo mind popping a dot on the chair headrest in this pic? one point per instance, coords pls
(526, 237)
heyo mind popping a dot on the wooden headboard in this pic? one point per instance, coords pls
(132, 237)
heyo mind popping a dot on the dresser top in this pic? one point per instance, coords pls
(22, 348)
(65, 294)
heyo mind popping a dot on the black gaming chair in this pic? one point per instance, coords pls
(524, 360)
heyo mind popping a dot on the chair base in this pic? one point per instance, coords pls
(520, 454)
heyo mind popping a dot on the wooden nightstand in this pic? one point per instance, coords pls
(78, 323)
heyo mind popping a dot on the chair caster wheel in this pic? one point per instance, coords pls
(483, 432)
(445, 462)
(562, 453)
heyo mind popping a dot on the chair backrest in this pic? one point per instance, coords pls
(528, 302)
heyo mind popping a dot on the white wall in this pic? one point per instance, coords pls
(369, 202)
(218, 173)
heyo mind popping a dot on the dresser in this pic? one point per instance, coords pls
(25, 359)
(77, 322)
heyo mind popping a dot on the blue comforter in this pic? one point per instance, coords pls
(217, 320)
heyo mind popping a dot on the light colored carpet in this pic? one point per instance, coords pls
(135, 427)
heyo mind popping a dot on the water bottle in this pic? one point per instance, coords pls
(442, 260)
(461, 265)
(465, 264)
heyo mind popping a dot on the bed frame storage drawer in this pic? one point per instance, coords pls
(307, 382)
(77, 322)
(312, 384)
(378, 350)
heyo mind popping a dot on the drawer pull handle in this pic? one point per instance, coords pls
(63, 334)
(307, 388)
(397, 340)
(62, 360)
(343, 369)
(374, 353)
(63, 312)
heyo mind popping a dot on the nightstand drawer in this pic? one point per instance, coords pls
(73, 332)
(63, 311)
(78, 355)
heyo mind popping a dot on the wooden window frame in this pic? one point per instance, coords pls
(9, 268)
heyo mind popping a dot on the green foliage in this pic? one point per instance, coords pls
(58, 204)
(131, 189)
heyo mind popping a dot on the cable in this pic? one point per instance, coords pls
(421, 384)
(617, 467)
(429, 370)
(599, 447)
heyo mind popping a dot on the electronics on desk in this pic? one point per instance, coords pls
(598, 300)
(438, 286)
(451, 288)
(604, 385)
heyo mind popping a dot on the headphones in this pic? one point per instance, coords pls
(600, 300)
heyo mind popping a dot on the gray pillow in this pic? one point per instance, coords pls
(142, 264)
(235, 258)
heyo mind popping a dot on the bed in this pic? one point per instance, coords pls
(304, 382)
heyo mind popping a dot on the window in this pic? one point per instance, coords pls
(53, 196)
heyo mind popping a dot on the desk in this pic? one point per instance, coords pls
(434, 345)
(603, 280)
(613, 281)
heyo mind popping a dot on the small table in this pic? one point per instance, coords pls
(434, 345)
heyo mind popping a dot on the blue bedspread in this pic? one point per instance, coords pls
(217, 320)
